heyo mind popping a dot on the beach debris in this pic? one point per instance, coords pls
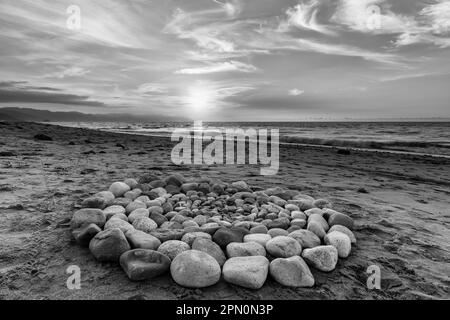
(202, 229)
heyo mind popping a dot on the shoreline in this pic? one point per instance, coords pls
(283, 143)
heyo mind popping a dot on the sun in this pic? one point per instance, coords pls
(200, 99)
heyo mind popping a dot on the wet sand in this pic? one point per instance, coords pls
(400, 205)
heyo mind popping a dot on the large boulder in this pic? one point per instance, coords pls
(85, 217)
(291, 272)
(244, 249)
(283, 247)
(323, 258)
(248, 272)
(109, 245)
(195, 269)
(143, 264)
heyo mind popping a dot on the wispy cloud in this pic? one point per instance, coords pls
(295, 92)
(220, 67)
(304, 16)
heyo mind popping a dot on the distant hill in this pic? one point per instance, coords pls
(27, 114)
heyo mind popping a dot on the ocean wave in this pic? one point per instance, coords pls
(367, 144)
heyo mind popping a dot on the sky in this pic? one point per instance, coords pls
(234, 60)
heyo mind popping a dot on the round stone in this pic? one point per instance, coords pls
(258, 238)
(85, 217)
(305, 238)
(276, 232)
(143, 264)
(109, 245)
(345, 230)
(195, 269)
(135, 205)
(138, 213)
(114, 223)
(259, 229)
(200, 220)
(291, 272)
(211, 248)
(95, 203)
(340, 241)
(244, 249)
(131, 183)
(316, 228)
(120, 216)
(341, 219)
(144, 224)
(133, 194)
(172, 248)
(119, 189)
(322, 203)
(85, 234)
(320, 220)
(298, 215)
(323, 258)
(292, 207)
(248, 272)
(140, 240)
(224, 236)
(123, 202)
(113, 210)
(283, 247)
(314, 211)
(191, 236)
(298, 222)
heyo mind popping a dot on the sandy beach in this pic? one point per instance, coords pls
(400, 205)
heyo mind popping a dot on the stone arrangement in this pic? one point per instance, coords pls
(202, 231)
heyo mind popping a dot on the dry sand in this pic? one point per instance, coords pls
(402, 220)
